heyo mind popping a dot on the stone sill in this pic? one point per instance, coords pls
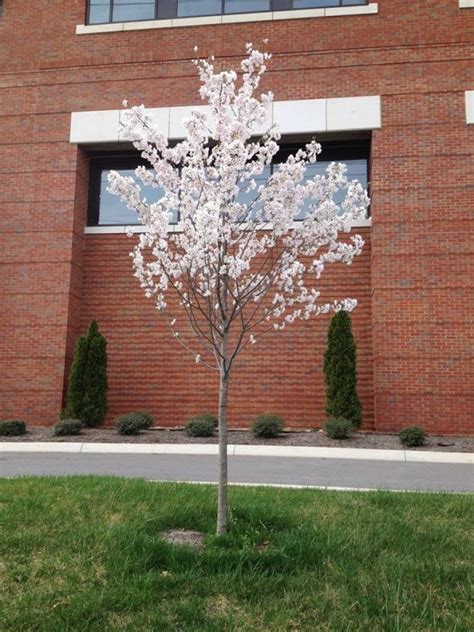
(264, 16)
(466, 4)
(122, 230)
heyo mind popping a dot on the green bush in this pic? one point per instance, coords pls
(412, 436)
(87, 389)
(133, 423)
(340, 371)
(68, 427)
(267, 426)
(338, 428)
(12, 428)
(147, 419)
(130, 423)
(209, 417)
(201, 426)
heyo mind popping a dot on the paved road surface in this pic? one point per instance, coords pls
(249, 469)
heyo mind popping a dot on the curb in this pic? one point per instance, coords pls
(326, 488)
(211, 449)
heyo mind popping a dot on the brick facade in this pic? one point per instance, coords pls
(414, 281)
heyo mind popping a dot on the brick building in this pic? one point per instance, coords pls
(386, 86)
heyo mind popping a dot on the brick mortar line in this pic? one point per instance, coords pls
(374, 158)
(187, 77)
(284, 55)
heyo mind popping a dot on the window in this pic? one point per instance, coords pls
(355, 154)
(105, 11)
(318, 4)
(106, 209)
(187, 8)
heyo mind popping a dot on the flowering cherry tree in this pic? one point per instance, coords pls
(239, 263)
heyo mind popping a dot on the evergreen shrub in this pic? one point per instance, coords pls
(147, 419)
(12, 428)
(68, 427)
(340, 372)
(129, 424)
(87, 389)
(267, 426)
(338, 428)
(201, 425)
(412, 436)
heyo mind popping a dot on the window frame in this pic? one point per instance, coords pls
(337, 150)
(169, 10)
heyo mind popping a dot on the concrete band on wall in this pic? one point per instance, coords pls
(469, 107)
(293, 117)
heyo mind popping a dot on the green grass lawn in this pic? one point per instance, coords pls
(83, 553)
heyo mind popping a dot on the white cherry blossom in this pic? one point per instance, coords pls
(239, 269)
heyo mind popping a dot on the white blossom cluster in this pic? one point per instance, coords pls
(238, 268)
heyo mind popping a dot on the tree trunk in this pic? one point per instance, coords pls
(222, 492)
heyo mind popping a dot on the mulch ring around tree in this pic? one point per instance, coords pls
(184, 537)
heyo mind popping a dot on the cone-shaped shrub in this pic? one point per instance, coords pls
(87, 391)
(340, 371)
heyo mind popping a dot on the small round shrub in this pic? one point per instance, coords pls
(129, 424)
(12, 428)
(201, 426)
(267, 426)
(67, 427)
(132, 423)
(147, 419)
(207, 417)
(338, 428)
(412, 436)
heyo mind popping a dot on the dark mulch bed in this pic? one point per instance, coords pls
(302, 438)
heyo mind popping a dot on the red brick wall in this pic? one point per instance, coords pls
(149, 370)
(416, 55)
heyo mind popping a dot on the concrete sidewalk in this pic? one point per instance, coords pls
(76, 447)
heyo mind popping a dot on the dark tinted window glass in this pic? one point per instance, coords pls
(246, 6)
(247, 197)
(356, 170)
(199, 7)
(99, 11)
(111, 209)
(354, 156)
(129, 10)
(106, 209)
(353, 153)
(312, 4)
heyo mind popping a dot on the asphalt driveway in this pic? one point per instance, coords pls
(318, 472)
